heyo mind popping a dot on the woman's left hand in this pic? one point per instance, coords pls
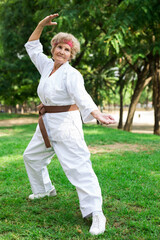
(106, 119)
(103, 118)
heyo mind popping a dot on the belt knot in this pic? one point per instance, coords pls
(41, 109)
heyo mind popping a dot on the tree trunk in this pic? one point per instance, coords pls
(156, 95)
(120, 124)
(141, 84)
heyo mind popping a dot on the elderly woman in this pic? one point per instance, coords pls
(62, 92)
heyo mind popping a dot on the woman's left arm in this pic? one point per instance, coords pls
(88, 109)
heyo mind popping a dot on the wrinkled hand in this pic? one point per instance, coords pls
(106, 119)
(103, 117)
(47, 21)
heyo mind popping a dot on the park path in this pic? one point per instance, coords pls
(17, 121)
(143, 121)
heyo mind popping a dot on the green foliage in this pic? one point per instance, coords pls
(18, 79)
(106, 29)
(73, 16)
(146, 96)
(134, 23)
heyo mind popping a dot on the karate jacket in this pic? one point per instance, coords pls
(63, 87)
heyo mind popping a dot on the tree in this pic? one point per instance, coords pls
(156, 92)
(125, 76)
(136, 24)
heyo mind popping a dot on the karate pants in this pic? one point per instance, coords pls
(74, 158)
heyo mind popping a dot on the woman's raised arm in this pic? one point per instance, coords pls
(47, 21)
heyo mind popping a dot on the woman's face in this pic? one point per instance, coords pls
(62, 53)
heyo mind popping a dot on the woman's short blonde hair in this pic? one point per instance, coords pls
(65, 37)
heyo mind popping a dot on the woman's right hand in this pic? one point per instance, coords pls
(47, 21)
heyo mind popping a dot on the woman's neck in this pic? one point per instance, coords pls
(56, 66)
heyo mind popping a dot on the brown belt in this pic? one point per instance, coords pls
(51, 109)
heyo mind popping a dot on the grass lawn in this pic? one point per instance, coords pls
(129, 176)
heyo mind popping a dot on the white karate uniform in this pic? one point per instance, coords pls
(64, 87)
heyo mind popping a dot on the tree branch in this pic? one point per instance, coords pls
(129, 60)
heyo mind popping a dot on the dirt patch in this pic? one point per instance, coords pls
(116, 147)
(17, 121)
(3, 134)
(138, 128)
